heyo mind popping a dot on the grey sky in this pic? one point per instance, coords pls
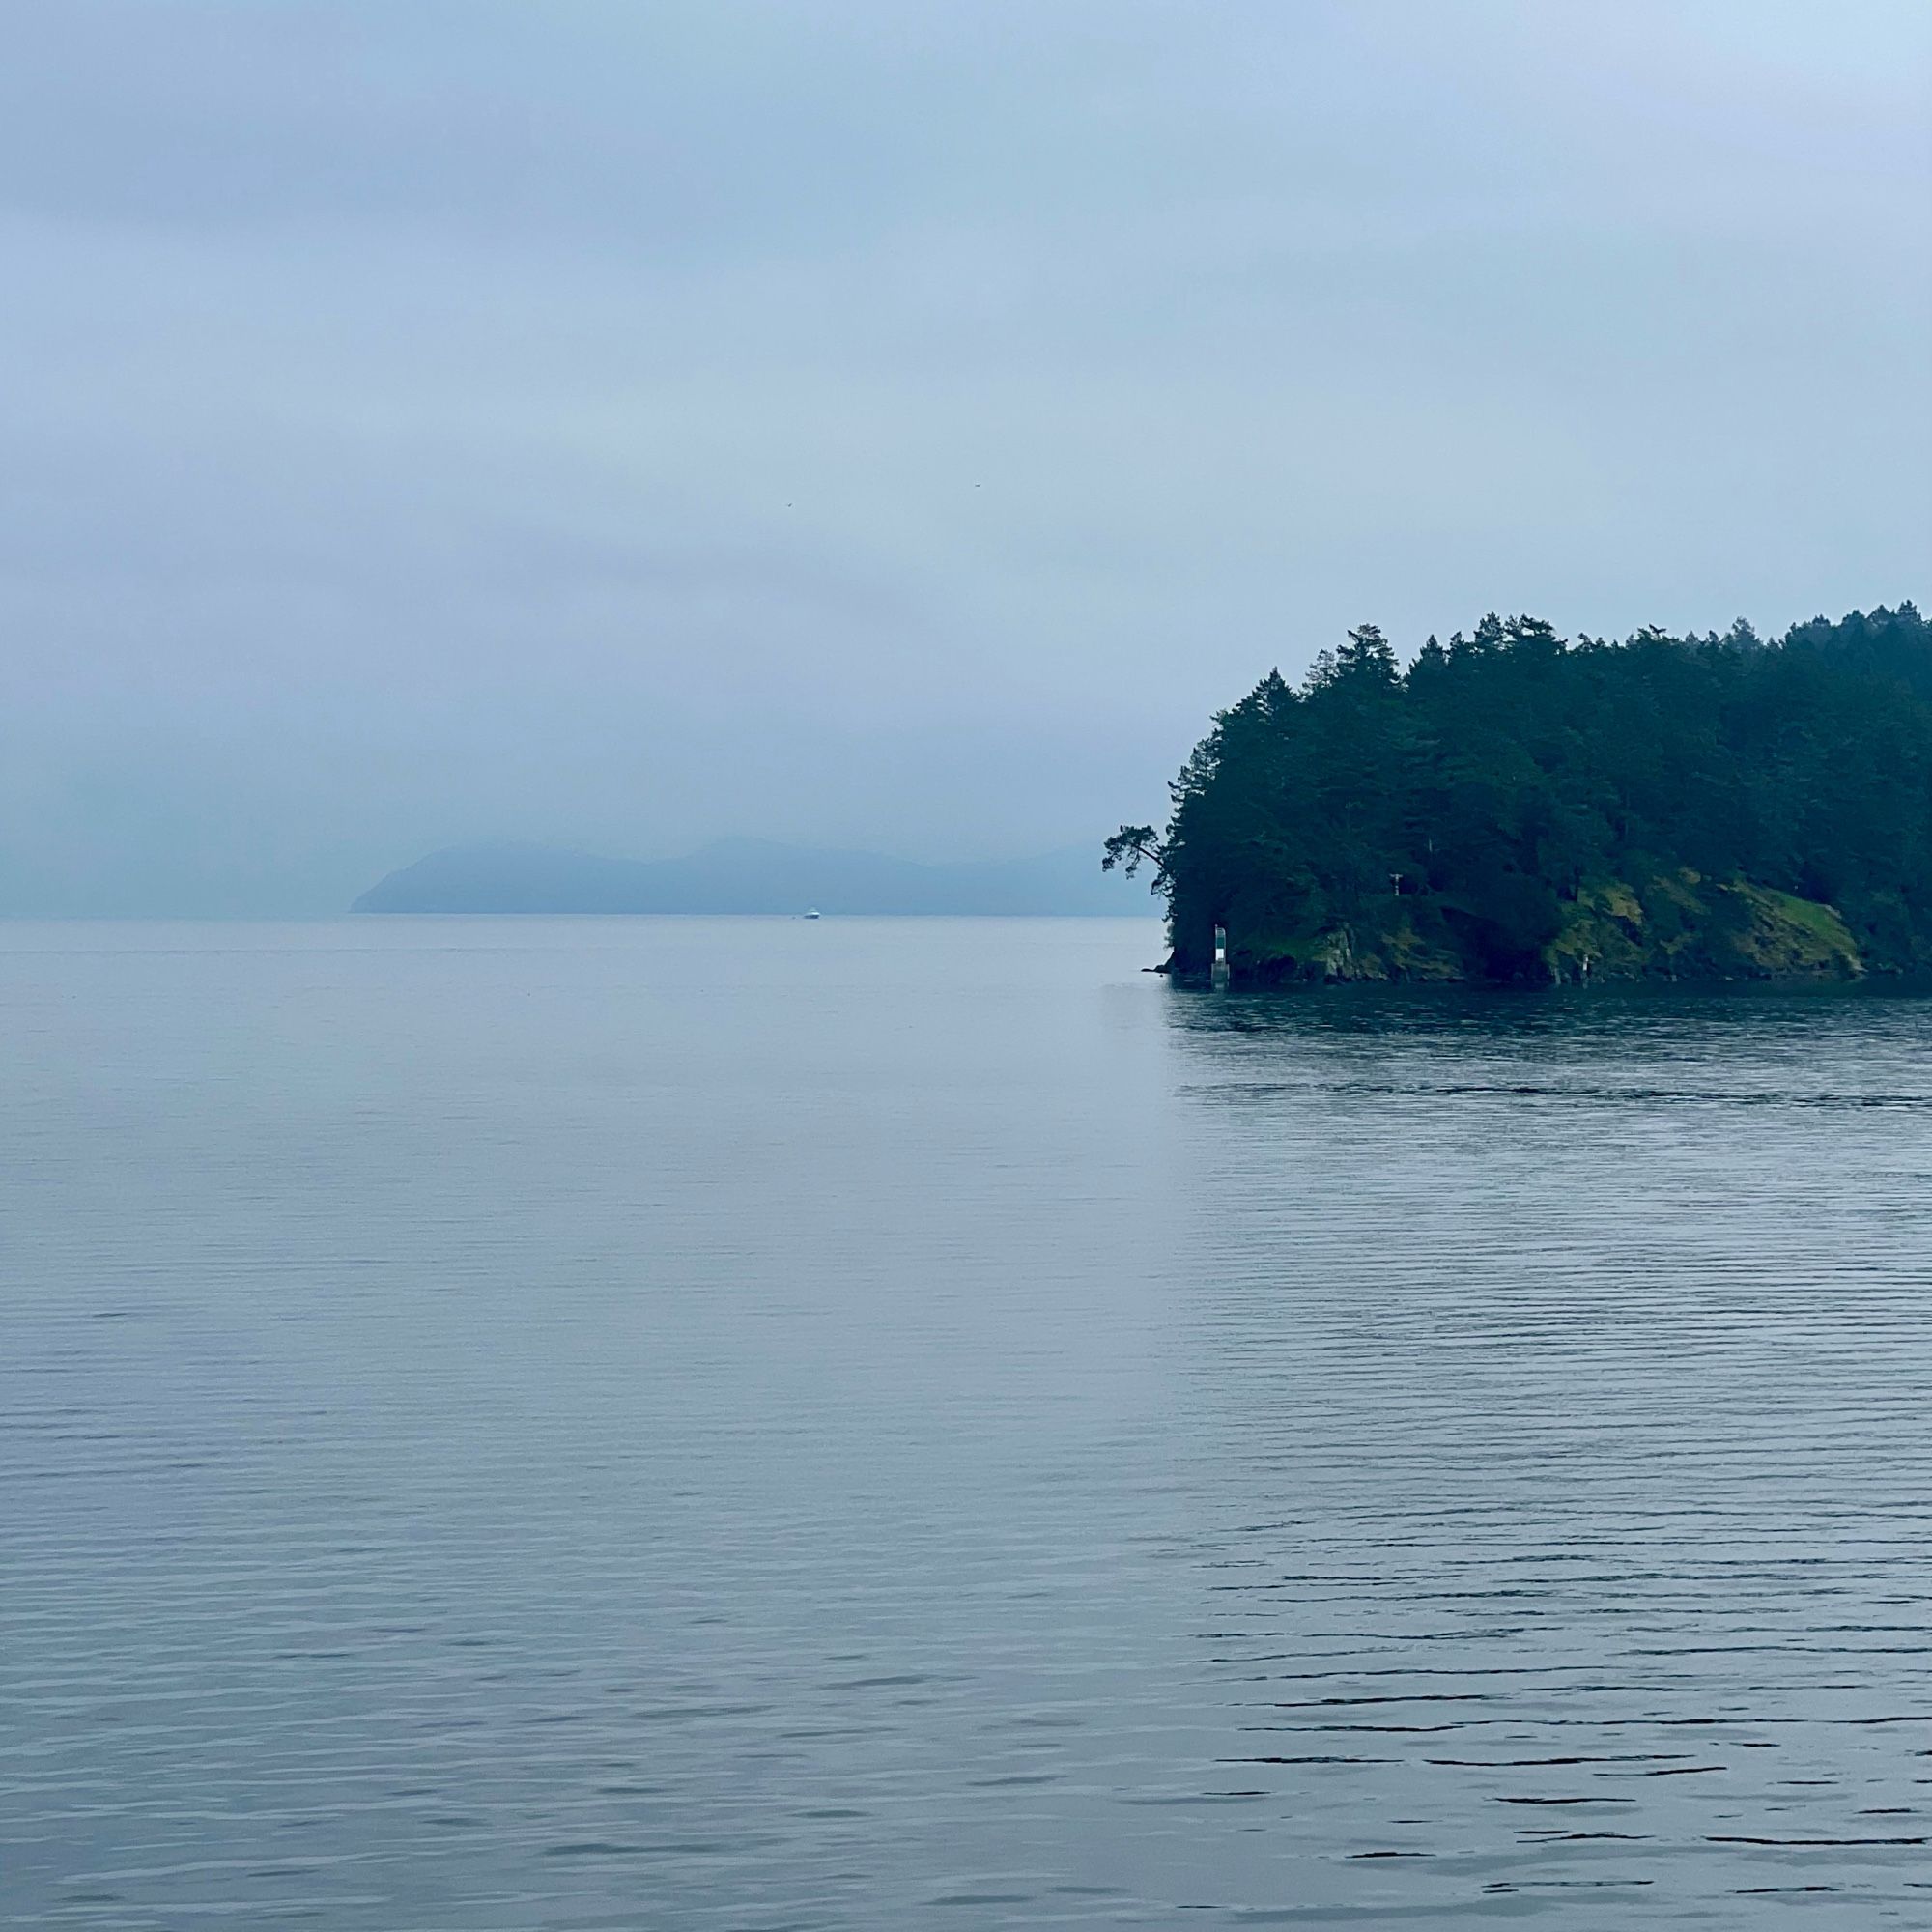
(895, 424)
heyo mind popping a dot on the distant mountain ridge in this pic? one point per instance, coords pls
(748, 875)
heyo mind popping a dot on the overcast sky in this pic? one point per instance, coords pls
(895, 425)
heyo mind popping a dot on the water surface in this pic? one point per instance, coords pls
(756, 1424)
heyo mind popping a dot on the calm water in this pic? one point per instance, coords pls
(918, 1424)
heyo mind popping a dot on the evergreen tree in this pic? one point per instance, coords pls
(1515, 807)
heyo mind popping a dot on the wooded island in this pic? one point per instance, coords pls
(1515, 807)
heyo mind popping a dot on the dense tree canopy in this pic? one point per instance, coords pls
(1513, 806)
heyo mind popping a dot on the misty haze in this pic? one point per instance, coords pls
(965, 966)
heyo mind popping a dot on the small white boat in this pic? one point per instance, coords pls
(813, 912)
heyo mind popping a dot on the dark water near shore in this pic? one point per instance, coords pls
(883, 1424)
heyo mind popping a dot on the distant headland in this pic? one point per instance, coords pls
(744, 875)
(1515, 807)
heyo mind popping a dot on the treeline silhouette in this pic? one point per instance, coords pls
(1512, 806)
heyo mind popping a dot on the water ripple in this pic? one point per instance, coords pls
(747, 1424)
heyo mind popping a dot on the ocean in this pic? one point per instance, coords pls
(766, 1424)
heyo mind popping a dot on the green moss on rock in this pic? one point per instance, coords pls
(1676, 926)
(1786, 937)
(1603, 936)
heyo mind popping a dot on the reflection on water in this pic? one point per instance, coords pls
(749, 1424)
